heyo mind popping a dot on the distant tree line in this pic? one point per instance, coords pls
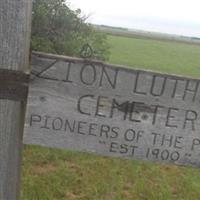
(114, 27)
(58, 29)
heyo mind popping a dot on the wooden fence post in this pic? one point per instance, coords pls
(15, 28)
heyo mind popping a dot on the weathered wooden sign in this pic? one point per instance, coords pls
(114, 111)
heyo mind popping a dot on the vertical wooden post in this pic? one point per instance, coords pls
(15, 27)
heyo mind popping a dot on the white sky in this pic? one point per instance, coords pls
(168, 16)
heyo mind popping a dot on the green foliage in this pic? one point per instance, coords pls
(58, 29)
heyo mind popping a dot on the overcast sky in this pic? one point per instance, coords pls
(169, 16)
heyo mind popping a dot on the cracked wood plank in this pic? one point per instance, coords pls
(109, 110)
(15, 28)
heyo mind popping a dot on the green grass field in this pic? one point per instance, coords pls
(169, 57)
(51, 174)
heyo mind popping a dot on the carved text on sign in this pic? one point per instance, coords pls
(94, 107)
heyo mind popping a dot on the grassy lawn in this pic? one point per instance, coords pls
(51, 174)
(56, 174)
(170, 57)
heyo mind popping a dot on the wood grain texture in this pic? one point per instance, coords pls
(94, 107)
(15, 27)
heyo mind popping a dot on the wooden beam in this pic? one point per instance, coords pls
(15, 28)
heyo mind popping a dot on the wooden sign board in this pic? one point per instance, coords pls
(94, 107)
